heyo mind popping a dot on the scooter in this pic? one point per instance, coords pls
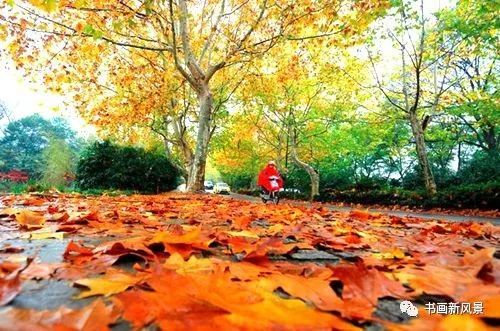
(273, 196)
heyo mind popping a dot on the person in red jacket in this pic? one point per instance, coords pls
(264, 180)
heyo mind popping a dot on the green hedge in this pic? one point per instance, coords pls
(104, 165)
(484, 196)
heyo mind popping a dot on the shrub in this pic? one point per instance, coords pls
(239, 181)
(482, 167)
(15, 176)
(104, 165)
(484, 195)
(297, 178)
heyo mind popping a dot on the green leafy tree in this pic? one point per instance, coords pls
(474, 99)
(59, 163)
(24, 141)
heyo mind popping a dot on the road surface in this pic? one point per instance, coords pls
(399, 213)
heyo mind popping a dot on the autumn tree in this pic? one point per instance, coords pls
(288, 103)
(239, 151)
(81, 42)
(288, 111)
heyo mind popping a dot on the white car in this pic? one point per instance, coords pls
(209, 186)
(181, 188)
(221, 188)
(292, 190)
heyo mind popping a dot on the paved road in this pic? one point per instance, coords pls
(444, 217)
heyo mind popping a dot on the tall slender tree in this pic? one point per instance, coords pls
(422, 78)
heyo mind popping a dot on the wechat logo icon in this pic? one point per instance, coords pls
(408, 308)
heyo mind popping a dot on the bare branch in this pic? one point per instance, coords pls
(379, 85)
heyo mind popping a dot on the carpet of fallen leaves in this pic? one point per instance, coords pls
(203, 262)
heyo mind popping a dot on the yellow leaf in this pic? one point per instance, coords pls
(176, 262)
(30, 219)
(243, 233)
(3, 32)
(46, 235)
(275, 228)
(109, 284)
(395, 253)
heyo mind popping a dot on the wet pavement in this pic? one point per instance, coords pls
(48, 294)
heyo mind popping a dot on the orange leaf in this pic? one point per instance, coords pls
(74, 250)
(94, 317)
(360, 215)
(29, 219)
(363, 287)
(170, 238)
(314, 290)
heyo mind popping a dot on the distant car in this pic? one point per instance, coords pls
(221, 188)
(181, 188)
(292, 190)
(209, 186)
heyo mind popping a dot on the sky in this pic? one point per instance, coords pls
(23, 99)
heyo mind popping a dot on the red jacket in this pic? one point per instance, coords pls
(264, 175)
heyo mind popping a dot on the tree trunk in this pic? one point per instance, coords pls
(418, 134)
(459, 156)
(188, 161)
(197, 171)
(490, 138)
(182, 170)
(313, 175)
(183, 145)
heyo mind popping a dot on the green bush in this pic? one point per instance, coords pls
(297, 178)
(484, 196)
(238, 180)
(479, 195)
(482, 167)
(105, 165)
